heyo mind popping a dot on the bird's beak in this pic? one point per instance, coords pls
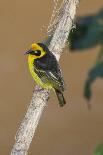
(27, 52)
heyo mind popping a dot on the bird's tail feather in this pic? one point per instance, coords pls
(60, 97)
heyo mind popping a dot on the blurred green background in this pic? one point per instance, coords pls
(71, 130)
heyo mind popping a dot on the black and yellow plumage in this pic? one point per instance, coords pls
(45, 70)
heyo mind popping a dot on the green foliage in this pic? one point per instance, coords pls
(89, 33)
(94, 73)
(99, 150)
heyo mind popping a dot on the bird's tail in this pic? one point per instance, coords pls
(60, 97)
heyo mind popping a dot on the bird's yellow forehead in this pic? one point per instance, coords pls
(35, 46)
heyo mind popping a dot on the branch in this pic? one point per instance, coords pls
(40, 96)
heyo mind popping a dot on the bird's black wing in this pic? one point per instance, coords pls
(48, 71)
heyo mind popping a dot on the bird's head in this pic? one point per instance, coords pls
(37, 50)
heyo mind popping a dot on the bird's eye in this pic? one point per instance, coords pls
(37, 52)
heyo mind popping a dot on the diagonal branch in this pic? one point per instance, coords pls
(40, 97)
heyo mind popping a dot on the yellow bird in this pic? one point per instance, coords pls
(45, 69)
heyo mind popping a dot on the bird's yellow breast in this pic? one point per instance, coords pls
(34, 75)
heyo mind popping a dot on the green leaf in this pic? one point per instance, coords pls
(99, 150)
(100, 57)
(87, 89)
(89, 32)
(95, 72)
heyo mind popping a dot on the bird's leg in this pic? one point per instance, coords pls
(38, 88)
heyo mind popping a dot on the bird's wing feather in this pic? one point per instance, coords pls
(50, 74)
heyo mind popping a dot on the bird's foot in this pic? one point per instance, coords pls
(38, 89)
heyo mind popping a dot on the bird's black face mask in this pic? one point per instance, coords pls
(36, 52)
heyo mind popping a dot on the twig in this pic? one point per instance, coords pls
(40, 96)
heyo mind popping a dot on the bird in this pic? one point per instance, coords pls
(45, 70)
